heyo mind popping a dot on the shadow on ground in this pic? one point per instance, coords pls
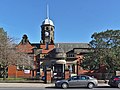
(53, 87)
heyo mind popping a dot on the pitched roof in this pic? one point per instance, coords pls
(70, 46)
(82, 50)
(76, 47)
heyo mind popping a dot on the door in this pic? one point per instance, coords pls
(58, 71)
(73, 81)
(83, 81)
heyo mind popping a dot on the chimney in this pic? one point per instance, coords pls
(47, 45)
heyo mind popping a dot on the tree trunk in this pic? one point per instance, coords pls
(5, 73)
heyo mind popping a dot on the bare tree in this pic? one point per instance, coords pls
(24, 60)
(9, 55)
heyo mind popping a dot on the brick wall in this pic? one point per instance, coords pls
(21, 74)
(26, 48)
(14, 73)
(50, 46)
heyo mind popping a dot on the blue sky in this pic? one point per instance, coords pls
(74, 20)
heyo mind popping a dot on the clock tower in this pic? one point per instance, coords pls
(47, 31)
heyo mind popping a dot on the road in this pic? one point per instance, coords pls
(42, 86)
(53, 88)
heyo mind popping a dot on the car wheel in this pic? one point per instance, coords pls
(118, 85)
(90, 85)
(64, 85)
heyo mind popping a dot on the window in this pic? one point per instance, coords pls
(75, 78)
(47, 28)
(51, 29)
(83, 78)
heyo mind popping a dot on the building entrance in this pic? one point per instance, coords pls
(58, 71)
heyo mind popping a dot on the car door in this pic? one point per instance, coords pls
(83, 81)
(73, 81)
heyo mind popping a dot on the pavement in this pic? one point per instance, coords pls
(20, 85)
(25, 85)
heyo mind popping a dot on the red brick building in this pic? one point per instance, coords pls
(47, 54)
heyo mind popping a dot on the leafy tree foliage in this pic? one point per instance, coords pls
(105, 51)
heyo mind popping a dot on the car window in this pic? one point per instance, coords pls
(115, 77)
(89, 78)
(118, 76)
(83, 78)
(75, 78)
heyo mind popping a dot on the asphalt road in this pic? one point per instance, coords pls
(42, 86)
(53, 88)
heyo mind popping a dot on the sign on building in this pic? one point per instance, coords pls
(27, 71)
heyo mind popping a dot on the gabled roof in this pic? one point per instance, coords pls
(24, 40)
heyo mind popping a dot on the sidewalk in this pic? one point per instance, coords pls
(25, 85)
(34, 85)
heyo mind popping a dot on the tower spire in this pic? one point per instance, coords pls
(47, 11)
